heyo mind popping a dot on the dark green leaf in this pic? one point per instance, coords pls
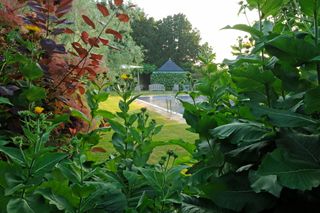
(241, 132)
(291, 173)
(300, 146)
(14, 154)
(272, 7)
(59, 201)
(47, 161)
(308, 8)
(78, 114)
(199, 205)
(312, 100)
(267, 183)
(34, 93)
(31, 70)
(104, 114)
(244, 59)
(284, 118)
(117, 127)
(4, 100)
(247, 29)
(292, 50)
(19, 205)
(234, 193)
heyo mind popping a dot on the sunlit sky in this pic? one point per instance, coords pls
(208, 16)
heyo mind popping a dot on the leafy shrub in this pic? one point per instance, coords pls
(259, 126)
(167, 79)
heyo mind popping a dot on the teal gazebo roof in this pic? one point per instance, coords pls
(170, 67)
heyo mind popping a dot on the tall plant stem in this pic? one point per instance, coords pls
(267, 86)
(261, 29)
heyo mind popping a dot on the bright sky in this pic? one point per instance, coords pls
(208, 16)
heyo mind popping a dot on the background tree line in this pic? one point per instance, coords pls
(171, 37)
(146, 41)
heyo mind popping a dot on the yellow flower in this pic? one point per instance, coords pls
(38, 110)
(184, 172)
(247, 45)
(125, 76)
(32, 28)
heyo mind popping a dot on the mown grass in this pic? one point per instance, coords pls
(171, 130)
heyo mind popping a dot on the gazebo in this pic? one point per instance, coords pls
(169, 74)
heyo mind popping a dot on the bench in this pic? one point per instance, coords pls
(156, 87)
(175, 88)
(138, 88)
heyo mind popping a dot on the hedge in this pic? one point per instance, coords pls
(167, 79)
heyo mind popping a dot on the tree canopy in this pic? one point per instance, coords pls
(172, 37)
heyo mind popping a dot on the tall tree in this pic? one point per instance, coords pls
(145, 33)
(179, 40)
(172, 37)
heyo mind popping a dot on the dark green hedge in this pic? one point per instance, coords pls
(167, 79)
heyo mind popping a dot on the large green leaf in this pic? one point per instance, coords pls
(272, 7)
(70, 171)
(291, 173)
(47, 161)
(245, 28)
(244, 59)
(60, 186)
(104, 114)
(31, 70)
(78, 114)
(14, 154)
(290, 77)
(239, 133)
(247, 154)
(301, 146)
(186, 146)
(106, 196)
(268, 7)
(4, 100)
(59, 201)
(312, 100)
(291, 49)
(165, 184)
(284, 118)
(34, 93)
(199, 205)
(267, 183)
(19, 205)
(117, 127)
(233, 192)
(308, 6)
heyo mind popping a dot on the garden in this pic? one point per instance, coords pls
(74, 139)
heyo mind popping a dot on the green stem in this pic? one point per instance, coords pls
(28, 177)
(283, 94)
(261, 29)
(167, 164)
(2, 67)
(211, 148)
(267, 88)
(316, 29)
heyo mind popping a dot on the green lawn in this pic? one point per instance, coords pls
(171, 130)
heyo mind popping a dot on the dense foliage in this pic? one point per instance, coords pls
(258, 123)
(172, 37)
(259, 128)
